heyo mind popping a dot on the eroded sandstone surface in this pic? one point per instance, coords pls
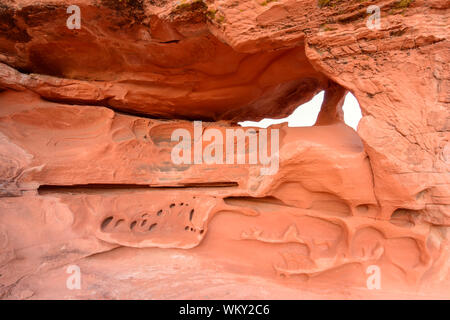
(87, 178)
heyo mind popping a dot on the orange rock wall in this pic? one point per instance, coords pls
(86, 176)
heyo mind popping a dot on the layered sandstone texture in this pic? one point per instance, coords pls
(87, 177)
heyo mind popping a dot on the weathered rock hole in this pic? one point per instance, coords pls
(245, 201)
(404, 217)
(119, 222)
(106, 222)
(421, 195)
(306, 114)
(352, 111)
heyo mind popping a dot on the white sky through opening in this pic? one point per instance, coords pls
(306, 114)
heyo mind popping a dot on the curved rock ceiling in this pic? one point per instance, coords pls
(169, 66)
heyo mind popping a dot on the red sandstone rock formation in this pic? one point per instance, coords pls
(86, 175)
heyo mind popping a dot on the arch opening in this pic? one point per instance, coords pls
(306, 114)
